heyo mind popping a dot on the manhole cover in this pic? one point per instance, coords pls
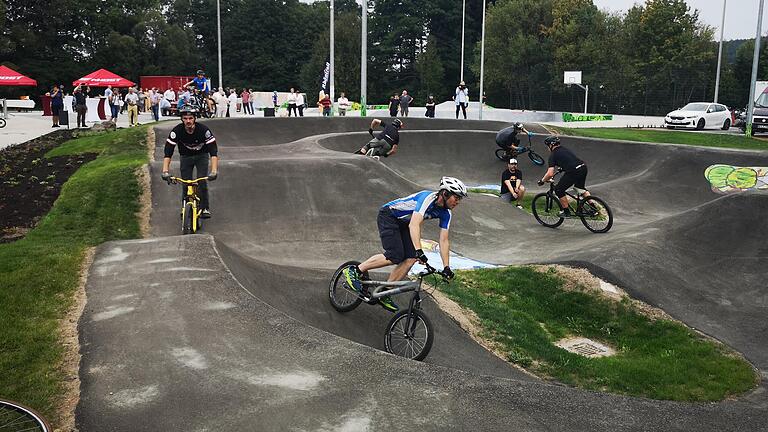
(585, 347)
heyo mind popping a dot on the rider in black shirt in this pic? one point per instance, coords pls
(507, 137)
(574, 172)
(386, 141)
(196, 145)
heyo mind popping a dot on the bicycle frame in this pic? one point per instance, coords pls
(190, 196)
(577, 199)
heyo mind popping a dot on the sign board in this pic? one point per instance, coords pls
(571, 77)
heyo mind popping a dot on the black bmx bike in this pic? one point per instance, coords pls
(593, 211)
(409, 333)
(507, 154)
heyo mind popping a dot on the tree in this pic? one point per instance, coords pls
(431, 71)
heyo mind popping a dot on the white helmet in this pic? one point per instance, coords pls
(454, 186)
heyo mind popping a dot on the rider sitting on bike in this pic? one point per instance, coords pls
(574, 172)
(385, 142)
(512, 184)
(200, 82)
(507, 138)
(399, 223)
(196, 144)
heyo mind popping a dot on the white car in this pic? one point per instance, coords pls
(700, 115)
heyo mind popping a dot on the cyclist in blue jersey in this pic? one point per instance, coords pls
(399, 223)
(200, 82)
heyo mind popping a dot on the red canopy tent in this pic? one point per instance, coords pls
(9, 77)
(103, 78)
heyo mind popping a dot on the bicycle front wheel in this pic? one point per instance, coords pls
(502, 154)
(410, 338)
(535, 158)
(15, 417)
(186, 219)
(343, 297)
(2, 122)
(596, 215)
(545, 210)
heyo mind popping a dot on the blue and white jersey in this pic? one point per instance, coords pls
(424, 203)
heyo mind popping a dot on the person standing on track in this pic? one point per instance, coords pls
(197, 147)
(512, 184)
(386, 141)
(399, 223)
(574, 173)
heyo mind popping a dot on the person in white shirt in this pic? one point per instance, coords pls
(461, 98)
(300, 101)
(221, 103)
(170, 95)
(252, 101)
(232, 103)
(343, 105)
(292, 103)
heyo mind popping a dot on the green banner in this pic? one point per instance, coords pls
(570, 117)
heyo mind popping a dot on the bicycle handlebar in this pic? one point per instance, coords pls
(174, 180)
(431, 270)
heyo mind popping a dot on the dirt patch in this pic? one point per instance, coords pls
(70, 365)
(30, 183)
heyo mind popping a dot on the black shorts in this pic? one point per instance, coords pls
(515, 141)
(55, 110)
(577, 177)
(395, 237)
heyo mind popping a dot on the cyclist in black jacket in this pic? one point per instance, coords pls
(574, 172)
(385, 142)
(197, 146)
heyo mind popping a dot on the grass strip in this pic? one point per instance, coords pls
(39, 273)
(524, 311)
(667, 137)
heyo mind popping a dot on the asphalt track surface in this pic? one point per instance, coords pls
(292, 203)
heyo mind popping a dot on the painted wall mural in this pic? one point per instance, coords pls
(458, 262)
(726, 179)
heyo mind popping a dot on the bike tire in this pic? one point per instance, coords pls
(344, 298)
(545, 210)
(502, 154)
(595, 215)
(17, 417)
(415, 347)
(186, 219)
(535, 158)
(2, 123)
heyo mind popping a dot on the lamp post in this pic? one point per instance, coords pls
(463, 14)
(218, 29)
(482, 63)
(755, 59)
(330, 71)
(720, 53)
(364, 59)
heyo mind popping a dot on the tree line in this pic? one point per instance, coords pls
(653, 58)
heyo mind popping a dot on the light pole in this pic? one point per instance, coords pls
(463, 14)
(330, 71)
(482, 63)
(720, 53)
(218, 29)
(364, 59)
(755, 59)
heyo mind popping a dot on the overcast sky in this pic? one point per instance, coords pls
(740, 15)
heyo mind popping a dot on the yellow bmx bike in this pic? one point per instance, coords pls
(190, 205)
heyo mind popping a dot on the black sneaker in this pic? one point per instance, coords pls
(205, 214)
(565, 213)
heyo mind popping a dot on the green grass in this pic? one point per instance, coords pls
(525, 311)
(527, 198)
(667, 136)
(39, 273)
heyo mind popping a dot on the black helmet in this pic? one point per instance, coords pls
(552, 140)
(397, 123)
(200, 72)
(186, 109)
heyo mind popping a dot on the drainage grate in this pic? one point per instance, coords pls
(585, 347)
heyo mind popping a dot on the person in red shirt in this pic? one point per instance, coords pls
(326, 104)
(246, 95)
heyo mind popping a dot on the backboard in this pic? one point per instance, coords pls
(572, 77)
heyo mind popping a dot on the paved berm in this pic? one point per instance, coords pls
(232, 330)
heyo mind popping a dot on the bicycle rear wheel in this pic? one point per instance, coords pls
(410, 340)
(502, 154)
(186, 219)
(2, 122)
(535, 158)
(545, 210)
(596, 215)
(15, 417)
(343, 297)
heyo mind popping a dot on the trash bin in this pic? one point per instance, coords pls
(269, 112)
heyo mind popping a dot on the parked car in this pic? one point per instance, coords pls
(700, 115)
(759, 115)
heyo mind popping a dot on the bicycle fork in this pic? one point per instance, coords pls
(410, 322)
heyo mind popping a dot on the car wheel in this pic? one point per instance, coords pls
(670, 127)
(700, 124)
(727, 124)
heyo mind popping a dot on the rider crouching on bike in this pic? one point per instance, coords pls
(197, 146)
(385, 142)
(399, 223)
(512, 184)
(574, 172)
(508, 140)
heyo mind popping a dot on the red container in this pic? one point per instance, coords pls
(164, 82)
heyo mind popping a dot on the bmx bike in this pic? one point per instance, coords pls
(593, 211)
(507, 154)
(2, 122)
(17, 417)
(409, 333)
(190, 206)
